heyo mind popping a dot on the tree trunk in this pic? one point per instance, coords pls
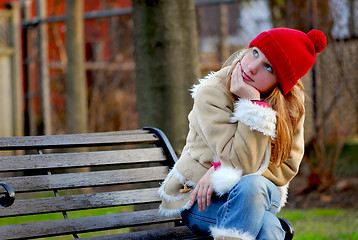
(166, 64)
(76, 84)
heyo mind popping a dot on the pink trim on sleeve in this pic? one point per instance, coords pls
(261, 103)
(216, 165)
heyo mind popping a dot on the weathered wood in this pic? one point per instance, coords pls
(11, 84)
(74, 140)
(133, 152)
(85, 179)
(174, 233)
(83, 159)
(81, 225)
(80, 202)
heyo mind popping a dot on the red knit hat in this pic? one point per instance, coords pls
(290, 52)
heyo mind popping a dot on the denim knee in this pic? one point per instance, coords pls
(251, 184)
(256, 189)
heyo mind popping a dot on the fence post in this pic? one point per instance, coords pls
(29, 70)
(17, 84)
(11, 85)
(6, 104)
(41, 7)
(224, 32)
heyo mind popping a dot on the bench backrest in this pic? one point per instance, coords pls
(60, 176)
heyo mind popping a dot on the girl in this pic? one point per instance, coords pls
(245, 140)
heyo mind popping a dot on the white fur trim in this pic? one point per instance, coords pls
(257, 117)
(284, 193)
(224, 179)
(233, 233)
(172, 212)
(181, 179)
(195, 87)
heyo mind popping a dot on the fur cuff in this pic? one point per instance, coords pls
(258, 118)
(284, 193)
(171, 212)
(224, 179)
(232, 233)
(181, 179)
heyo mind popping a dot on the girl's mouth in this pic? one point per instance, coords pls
(246, 77)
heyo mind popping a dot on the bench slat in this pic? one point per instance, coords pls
(122, 164)
(81, 225)
(76, 140)
(85, 179)
(181, 232)
(80, 202)
(83, 159)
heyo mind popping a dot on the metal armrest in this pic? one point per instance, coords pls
(165, 144)
(9, 198)
(287, 227)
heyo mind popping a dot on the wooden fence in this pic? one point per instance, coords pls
(11, 86)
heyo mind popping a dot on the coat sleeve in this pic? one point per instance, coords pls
(239, 136)
(289, 168)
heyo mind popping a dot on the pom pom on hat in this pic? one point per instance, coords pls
(290, 52)
(318, 38)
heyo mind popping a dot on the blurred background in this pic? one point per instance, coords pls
(35, 61)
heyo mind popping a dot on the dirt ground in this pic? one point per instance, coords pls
(344, 194)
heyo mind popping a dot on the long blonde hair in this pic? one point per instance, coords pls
(290, 109)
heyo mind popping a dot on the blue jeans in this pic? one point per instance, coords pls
(248, 211)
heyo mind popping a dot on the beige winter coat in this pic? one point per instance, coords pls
(238, 133)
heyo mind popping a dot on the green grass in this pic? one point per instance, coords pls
(323, 224)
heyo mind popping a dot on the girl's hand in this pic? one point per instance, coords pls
(241, 89)
(203, 191)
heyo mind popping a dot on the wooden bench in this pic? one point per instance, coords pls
(100, 183)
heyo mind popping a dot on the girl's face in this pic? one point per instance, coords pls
(257, 71)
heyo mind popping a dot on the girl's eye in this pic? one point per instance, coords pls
(269, 68)
(255, 53)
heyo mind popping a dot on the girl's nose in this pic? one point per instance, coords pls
(253, 67)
